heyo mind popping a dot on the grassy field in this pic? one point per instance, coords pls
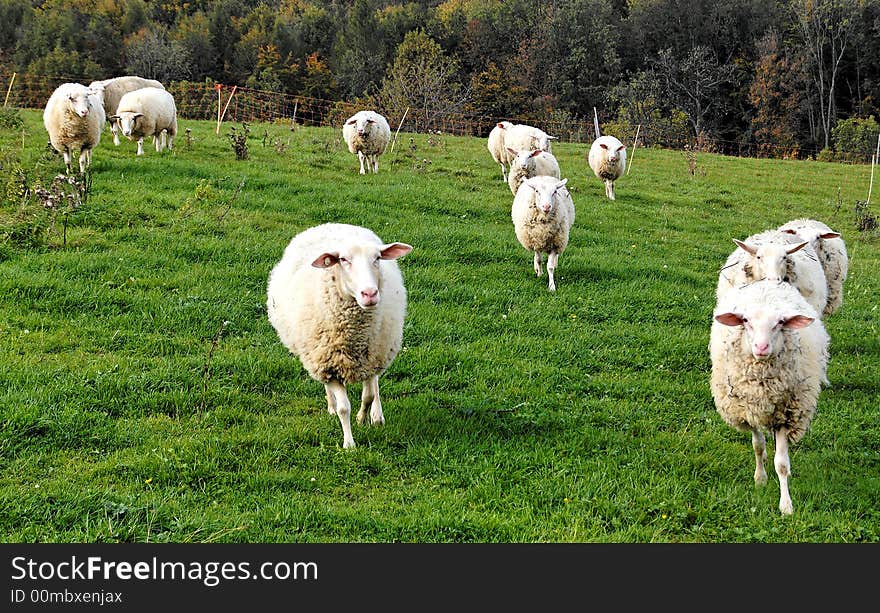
(145, 396)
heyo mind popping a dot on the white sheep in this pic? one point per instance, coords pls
(542, 215)
(74, 119)
(607, 158)
(523, 137)
(367, 134)
(779, 257)
(112, 91)
(496, 145)
(337, 301)
(831, 252)
(531, 163)
(148, 111)
(769, 356)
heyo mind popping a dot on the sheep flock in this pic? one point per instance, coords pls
(338, 302)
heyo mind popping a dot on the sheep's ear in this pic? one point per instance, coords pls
(797, 321)
(536, 152)
(798, 247)
(790, 231)
(136, 115)
(828, 235)
(501, 125)
(512, 151)
(392, 251)
(561, 183)
(113, 118)
(729, 319)
(603, 145)
(351, 122)
(745, 247)
(553, 137)
(326, 260)
(621, 148)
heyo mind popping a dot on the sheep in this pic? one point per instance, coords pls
(831, 252)
(367, 134)
(522, 137)
(148, 111)
(497, 148)
(337, 301)
(769, 356)
(542, 215)
(74, 119)
(112, 92)
(779, 257)
(607, 158)
(531, 163)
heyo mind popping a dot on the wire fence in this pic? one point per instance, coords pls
(209, 100)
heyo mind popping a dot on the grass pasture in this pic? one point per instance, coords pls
(129, 412)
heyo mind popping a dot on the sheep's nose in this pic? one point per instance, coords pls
(545, 208)
(369, 297)
(762, 350)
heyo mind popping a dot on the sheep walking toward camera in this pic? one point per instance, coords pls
(337, 301)
(607, 158)
(831, 252)
(148, 111)
(74, 119)
(779, 257)
(367, 134)
(768, 349)
(112, 91)
(542, 215)
(531, 163)
(496, 146)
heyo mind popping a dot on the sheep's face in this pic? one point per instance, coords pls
(542, 141)
(80, 103)
(763, 327)
(363, 125)
(612, 153)
(769, 260)
(127, 122)
(525, 159)
(544, 197)
(359, 269)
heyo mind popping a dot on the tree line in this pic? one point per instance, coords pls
(781, 77)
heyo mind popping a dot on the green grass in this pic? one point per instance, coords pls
(513, 414)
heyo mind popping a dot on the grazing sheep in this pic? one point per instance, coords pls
(526, 164)
(148, 111)
(831, 251)
(768, 349)
(542, 215)
(74, 118)
(367, 133)
(112, 91)
(775, 256)
(496, 146)
(337, 301)
(522, 137)
(607, 158)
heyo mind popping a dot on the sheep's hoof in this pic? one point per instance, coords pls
(348, 444)
(785, 507)
(760, 479)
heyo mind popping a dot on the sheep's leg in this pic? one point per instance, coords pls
(503, 172)
(759, 444)
(169, 142)
(361, 159)
(331, 401)
(538, 263)
(552, 260)
(114, 129)
(375, 159)
(343, 411)
(609, 189)
(66, 154)
(140, 146)
(783, 470)
(83, 160)
(370, 399)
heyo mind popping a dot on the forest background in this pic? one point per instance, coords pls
(776, 78)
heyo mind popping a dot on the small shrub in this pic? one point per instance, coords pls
(10, 118)
(238, 138)
(855, 139)
(865, 220)
(826, 155)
